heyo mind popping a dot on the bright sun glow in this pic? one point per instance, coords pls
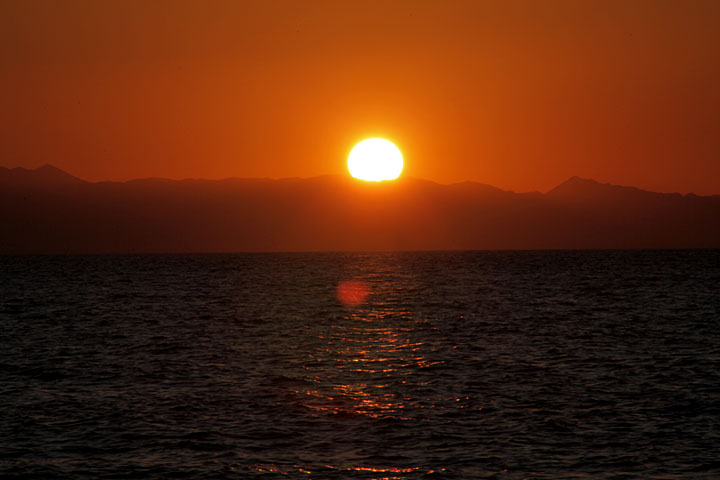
(375, 159)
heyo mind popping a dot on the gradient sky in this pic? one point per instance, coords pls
(520, 95)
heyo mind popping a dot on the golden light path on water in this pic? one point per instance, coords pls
(370, 354)
(359, 361)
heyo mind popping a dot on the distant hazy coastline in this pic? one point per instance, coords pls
(49, 211)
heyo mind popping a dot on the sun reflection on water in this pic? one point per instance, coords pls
(369, 359)
(368, 363)
(394, 472)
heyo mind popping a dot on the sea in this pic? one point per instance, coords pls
(405, 365)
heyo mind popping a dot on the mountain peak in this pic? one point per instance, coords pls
(51, 171)
(574, 183)
(50, 168)
(578, 187)
(583, 190)
(46, 175)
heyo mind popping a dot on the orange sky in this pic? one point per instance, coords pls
(520, 95)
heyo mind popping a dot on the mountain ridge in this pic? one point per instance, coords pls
(48, 210)
(49, 171)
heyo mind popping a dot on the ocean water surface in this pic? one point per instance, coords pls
(452, 365)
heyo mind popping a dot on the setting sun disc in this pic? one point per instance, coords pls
(375, 159)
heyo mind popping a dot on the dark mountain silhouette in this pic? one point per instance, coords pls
(47, 177)
(49, 211)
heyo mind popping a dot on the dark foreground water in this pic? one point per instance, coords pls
(508, 365)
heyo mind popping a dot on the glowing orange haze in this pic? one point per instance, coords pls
(521, 95)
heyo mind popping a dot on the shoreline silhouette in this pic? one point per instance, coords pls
(47, 210)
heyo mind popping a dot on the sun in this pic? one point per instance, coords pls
(375, 159)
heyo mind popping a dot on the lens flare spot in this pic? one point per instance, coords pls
(352, 293)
